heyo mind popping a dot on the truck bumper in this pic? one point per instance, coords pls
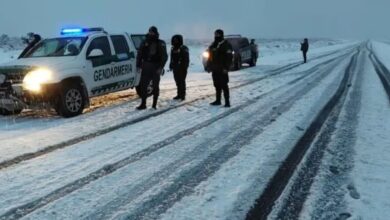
(10, 103)
(15, 98)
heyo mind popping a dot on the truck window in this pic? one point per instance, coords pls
(138, 39)
(102, 44)
(57, 47)
(234, 42)
(244, 42)
(121, 47)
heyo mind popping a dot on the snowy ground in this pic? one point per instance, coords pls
(192, 161)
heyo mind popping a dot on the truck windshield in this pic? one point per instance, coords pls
(235, 42)
(57, 47)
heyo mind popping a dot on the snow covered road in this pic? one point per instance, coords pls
(192, 161)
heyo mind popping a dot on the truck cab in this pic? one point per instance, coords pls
(65, 72)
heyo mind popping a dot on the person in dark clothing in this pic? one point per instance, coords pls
(304, 49)
(180, 60)
(254, 48)
(221, 57)
(151, 59)
(31, 42)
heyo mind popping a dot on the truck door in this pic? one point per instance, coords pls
(99, 67)
(125, 62)
(245, 49)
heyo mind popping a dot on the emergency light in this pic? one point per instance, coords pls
(72, 31)
(76, 31)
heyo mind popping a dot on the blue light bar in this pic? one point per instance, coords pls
(72, 31)
(76, 31)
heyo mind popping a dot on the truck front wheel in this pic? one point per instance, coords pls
(71, 100)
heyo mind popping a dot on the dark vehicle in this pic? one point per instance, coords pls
(243, 52)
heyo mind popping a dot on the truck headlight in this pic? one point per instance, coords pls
(34, 79)
(206, 55)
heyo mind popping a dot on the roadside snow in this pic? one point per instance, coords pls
(371, 173)
(8, 56)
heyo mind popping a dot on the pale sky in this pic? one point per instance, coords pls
(198, 18)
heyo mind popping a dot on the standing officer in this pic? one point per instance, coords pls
(151, 59)
(304, 49)
(254, 49)
(180, 60)
(221, 56)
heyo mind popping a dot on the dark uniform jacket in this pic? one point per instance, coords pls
(304, 47)
(180, 58)
(221, 56)
(152, 51)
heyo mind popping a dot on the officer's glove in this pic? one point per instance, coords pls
(225, 71)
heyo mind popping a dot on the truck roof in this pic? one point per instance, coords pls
(81, 32)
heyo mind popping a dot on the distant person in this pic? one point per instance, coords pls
(180, 60)
(254, 48)
(151, 59)
(305, 49)
(221, 57)
(32, 40)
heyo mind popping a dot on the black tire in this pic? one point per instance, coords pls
(237, 63)
(71, 101)
(149, 89)
(253, 61)
(6, 112)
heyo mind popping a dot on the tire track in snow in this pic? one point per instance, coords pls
(265, 203)
(291, 207)
(188, 180)
(23, 210)
(381, 70)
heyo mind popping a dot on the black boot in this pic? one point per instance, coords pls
(227, 103)
(176, 97)
(226, 94)
(142, 106)
(218, 98)
(155, 98)
(217, 102)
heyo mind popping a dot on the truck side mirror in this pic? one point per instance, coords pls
(132, 55)
(95, 53)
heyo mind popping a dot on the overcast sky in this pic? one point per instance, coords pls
(198, 18)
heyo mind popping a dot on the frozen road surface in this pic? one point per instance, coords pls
(301, 141)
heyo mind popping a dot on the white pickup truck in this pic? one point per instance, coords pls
(65, 72)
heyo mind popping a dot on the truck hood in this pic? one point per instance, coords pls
(49, 62)
(16, 70)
